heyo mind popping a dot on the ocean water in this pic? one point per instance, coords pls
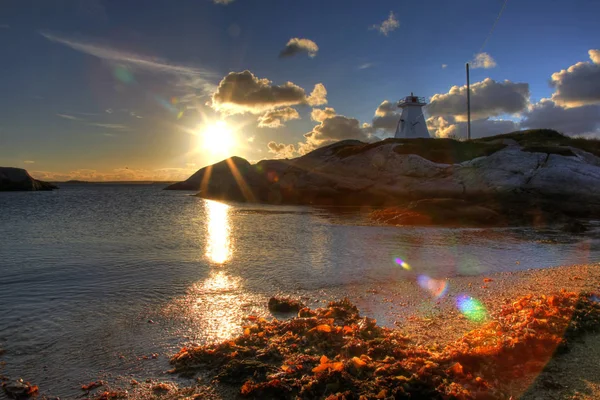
(107, 281)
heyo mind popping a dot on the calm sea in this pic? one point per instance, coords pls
(95, 279)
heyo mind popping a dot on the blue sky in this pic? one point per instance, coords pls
(67, 111)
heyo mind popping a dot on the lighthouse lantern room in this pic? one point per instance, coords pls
(412, 123)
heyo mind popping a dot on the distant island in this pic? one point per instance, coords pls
(18, 179)
(532, 177)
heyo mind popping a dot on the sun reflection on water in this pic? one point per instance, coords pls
(213, 309)
(218, 247)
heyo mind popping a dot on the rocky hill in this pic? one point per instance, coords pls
(539, 170)
(19, 179)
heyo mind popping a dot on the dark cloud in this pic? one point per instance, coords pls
(449, 127)
(386, 117)
(276, 118)
(297, 46)
(579, 84)
(488, 98)
(571, 121)
(240, 92)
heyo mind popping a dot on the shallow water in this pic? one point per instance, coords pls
(94, 279)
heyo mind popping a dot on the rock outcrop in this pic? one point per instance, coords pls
(12, 179)
(518, 175)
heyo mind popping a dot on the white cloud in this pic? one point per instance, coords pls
(333, 129)
(282, 150)
(297, 45)
(117, 174)
(28, 162)
(66, 116)
(134, 60)
(488, 98)
(320, 115)
(387, 26)
(318, 96)
(117, 127)
(449, 127)
(483, 60)
(444, 66)
(223, 2)
(365, 65)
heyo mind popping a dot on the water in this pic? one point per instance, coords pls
(94, 279)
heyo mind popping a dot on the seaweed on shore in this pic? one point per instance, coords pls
(334, 353)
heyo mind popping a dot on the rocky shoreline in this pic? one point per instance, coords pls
(526, 177)
(502, 345)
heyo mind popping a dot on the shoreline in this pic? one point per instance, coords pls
(439, 322)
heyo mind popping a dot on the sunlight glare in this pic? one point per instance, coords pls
(216, 138)
(218, 239)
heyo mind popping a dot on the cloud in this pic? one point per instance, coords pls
(241, 92)
(275, 118)
(572, 121)
(386, 117)
(488, 98)
(318, 96)
(65, 116)
(282, 150)
(117, 127)
(334, 129)
(444, 66)
(296, 46)
(482, 60)
(152, 64)
(223, 2)
(28, 162)
(365, 65)
(117, 174)
(320, 115)
(449, 127)
(579, 84)
(387, 26)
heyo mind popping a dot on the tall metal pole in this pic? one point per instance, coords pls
(468, 105)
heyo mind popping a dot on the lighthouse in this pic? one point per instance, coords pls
(412, 123)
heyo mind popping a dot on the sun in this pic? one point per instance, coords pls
(216, 138)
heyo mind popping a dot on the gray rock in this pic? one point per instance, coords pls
(526, 185)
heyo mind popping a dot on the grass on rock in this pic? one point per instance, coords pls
(452, 151)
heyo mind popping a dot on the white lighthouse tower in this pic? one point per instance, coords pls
(412, 123)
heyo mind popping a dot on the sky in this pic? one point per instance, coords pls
(154, 90)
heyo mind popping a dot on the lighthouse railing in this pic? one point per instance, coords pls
(412, 100)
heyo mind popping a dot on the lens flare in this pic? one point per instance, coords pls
(123, 74)
(472, 308)
(402, 264)
(436, 287)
